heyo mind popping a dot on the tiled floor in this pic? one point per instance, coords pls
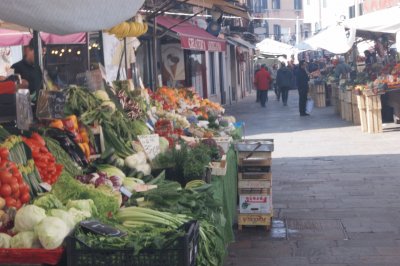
(336, 190)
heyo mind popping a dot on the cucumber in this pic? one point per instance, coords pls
(107, 153)
(132, 172)
(147, 178)
(139, 175)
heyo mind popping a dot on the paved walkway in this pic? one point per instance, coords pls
(336, 190)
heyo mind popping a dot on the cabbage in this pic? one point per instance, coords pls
(26, 239)
(164, 145)
(4, 240)
(83, 205)
(48, 201)
(67, 217)
(51, 232)
(27, 217)
(79, 215)
(145, 168)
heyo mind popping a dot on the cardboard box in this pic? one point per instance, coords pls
(255, 203)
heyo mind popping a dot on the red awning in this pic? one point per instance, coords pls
(192, 37)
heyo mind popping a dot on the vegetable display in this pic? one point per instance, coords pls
(45, 162)
(13, 189)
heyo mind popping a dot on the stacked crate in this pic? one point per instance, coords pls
(255, 182)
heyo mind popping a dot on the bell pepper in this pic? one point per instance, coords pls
(57, 124)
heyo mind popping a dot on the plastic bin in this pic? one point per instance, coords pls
(184, 254)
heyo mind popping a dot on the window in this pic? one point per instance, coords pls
(352, 11)
(298, 5)
(277, 32)
(264, 4)
(266, 26)
(212, 73)
(324, 4)
(276, 4)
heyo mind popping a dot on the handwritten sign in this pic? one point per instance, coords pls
(150, 144)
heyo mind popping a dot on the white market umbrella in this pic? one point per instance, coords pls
(334, 39)
(68, 16)
(272, 47)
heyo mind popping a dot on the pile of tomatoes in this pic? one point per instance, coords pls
(12, 185)
(45, 162)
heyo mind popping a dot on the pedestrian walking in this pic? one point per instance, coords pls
(256, 69)
(262, 82)
(302, 79)
(274, 72)
(284, 80)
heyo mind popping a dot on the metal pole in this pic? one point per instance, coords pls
(297, 30)
(88, 50)
(155, 56)
(126, 59)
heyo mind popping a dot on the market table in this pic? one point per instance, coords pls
(225, 191)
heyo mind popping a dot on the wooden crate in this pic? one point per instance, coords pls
(251, 191)
(258, 184)
(255, 220)
(374, 117)
(254, 158)
(254, 169)
(362, 110)
(319, 100)
(356, 114)
(266, 176)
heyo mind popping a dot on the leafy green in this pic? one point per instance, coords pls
(48, 201)
(67, 188)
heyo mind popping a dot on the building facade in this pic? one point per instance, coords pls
(277, 19)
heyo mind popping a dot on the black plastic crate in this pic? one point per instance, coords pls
(183, 255)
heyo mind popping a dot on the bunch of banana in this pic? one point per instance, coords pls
(129, 29)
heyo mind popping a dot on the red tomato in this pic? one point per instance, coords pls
(24, 188)
(5, 190)
(17, 194)
(4, 153)
(38, 138)
(5, 177)
(18, 204)
(14, 186)
(25, 197)
(10, 202)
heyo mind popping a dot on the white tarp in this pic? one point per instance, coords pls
(386, 20)
(334, 39)
(68, 16)
(272, 47)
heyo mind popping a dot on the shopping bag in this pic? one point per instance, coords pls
(309, 105)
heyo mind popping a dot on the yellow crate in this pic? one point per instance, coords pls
(254, 220)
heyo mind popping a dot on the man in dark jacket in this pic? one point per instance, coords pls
(284, 79)
(302, 85)
(262, 81)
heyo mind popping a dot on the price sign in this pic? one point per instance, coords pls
(150, 144)
(102, 229)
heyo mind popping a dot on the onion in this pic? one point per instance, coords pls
(93, 178)
(100, 181)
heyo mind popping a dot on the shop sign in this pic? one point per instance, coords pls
(193, 43)
(255, 203)
(374, 5)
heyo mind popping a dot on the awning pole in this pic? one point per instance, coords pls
(155, 55)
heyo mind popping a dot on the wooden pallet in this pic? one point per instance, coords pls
(255, 220)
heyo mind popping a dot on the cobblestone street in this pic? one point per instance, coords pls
(336, 190)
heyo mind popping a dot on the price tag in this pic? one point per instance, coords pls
(150, 144)
(125, 192)
(101, 229)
